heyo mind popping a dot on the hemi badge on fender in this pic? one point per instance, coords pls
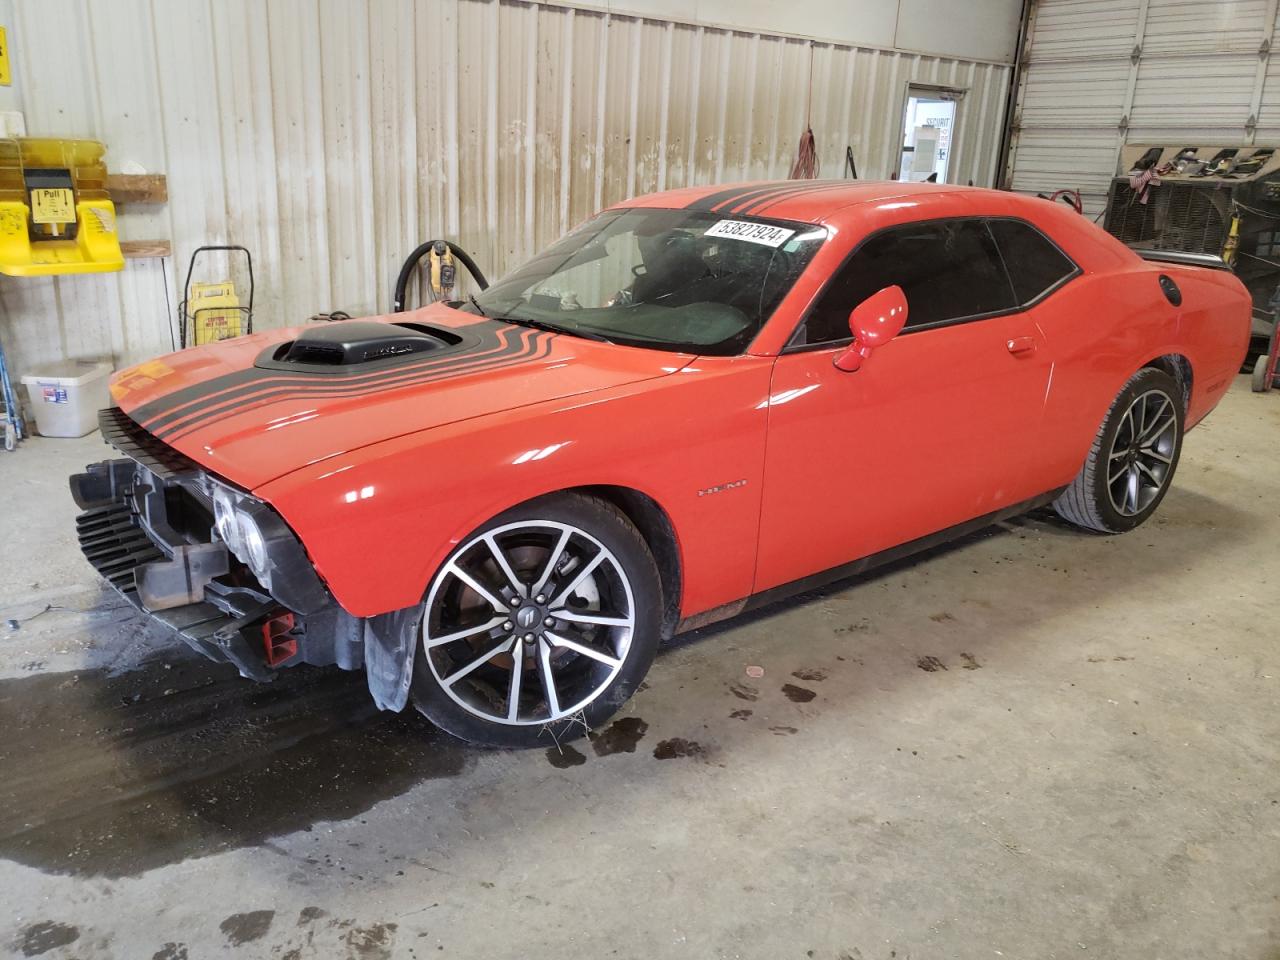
(721, 487)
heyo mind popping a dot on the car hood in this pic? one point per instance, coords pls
(230, 408)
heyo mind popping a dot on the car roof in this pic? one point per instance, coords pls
(806, 201)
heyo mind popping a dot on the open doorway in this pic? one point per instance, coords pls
(927, 125)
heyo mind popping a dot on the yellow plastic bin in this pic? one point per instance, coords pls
(66, 397)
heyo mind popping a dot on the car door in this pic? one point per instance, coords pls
(1041, 273)
(937, 426)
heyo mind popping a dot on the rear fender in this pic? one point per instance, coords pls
(1213, 332)
(1102, 328)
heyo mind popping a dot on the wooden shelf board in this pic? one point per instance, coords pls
(142, 249)
(138, 188)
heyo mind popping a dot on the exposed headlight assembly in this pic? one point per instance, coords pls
(225, 522)
(255, 548)
(234, 525)
(257, 536)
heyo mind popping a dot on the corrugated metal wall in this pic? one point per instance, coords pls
(1102, 73)
(332, 137)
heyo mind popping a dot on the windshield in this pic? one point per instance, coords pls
(666, 279)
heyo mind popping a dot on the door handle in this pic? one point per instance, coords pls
(1021, 345)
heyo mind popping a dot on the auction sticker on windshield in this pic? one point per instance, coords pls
(764, 233)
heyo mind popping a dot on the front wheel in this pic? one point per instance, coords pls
(540, 626)
(1133, 457)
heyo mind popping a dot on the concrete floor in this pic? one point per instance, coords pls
(1035, 743)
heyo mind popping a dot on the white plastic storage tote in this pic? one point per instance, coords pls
(67, 396)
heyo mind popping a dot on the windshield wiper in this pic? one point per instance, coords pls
(553, 328)
(476, 303)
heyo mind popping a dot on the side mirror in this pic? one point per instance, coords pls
(873, 323)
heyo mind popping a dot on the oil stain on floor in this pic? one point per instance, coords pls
(797, 694)
(39, 938)
(240, 928)
(677, 747)
(116, 775)
(621, 736)
(565, 756)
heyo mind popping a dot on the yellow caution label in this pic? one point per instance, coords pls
(215, 308)
(5, 78)
(106, 219)
(53, 205)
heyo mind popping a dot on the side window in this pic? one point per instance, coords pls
(949, 269)
(1035, 264)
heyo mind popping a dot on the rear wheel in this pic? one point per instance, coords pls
(1133, 457)
(539, 626)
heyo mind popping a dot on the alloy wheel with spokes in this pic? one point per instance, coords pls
(1140, 461)
(1131, 462)
(529, 623)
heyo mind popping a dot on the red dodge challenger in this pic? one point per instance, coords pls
(693, 404)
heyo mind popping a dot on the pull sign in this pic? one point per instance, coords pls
(52, 205)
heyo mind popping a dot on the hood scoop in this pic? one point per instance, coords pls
(342, 345)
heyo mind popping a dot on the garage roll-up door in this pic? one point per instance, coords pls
(1101, 73)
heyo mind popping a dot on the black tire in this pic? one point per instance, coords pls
(598, 519)
(1089, 501)
(1260, 383)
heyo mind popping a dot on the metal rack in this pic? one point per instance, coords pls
(237, 320)
(1219, 200)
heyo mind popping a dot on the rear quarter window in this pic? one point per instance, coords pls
(1034, 262)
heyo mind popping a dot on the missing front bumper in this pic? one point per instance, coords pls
(182, 579)
(147, 528)
(148, 533)
(118, 549)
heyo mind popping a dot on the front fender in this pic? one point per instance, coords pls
(377, 522)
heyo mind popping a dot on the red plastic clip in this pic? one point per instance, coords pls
(276, 642)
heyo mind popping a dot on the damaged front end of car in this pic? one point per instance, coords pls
(223, 569)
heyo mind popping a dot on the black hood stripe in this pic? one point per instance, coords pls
(539, 348)
(518, 346)
(242, 384)
(521, 349)
(193, 394)
(228, 400)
